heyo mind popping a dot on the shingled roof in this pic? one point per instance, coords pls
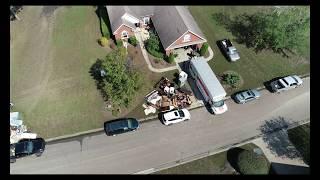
(170, 22)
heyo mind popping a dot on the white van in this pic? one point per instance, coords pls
(208, 84)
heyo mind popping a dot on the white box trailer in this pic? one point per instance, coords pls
(208, 84)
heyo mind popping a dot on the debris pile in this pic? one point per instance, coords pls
(166, 97)
(18, 130)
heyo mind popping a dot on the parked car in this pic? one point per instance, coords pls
(246, 96)
(175, 116)
(27, 147)
(120, 126)
(229, 50)
(285, 83)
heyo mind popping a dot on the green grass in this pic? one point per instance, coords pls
(214, 164)
(255, 68)
(300, 137)
(55, 92)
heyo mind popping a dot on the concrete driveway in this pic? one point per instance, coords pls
(155, 144)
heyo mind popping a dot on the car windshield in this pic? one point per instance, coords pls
(30, 147)
(130, 124)
(219, 103)
(181, 113)
(176, 114)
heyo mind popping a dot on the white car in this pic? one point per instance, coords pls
(176, 116)
(286, 83)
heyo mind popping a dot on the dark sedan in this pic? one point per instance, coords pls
(246, 96)
(119, 126)
(27, 147)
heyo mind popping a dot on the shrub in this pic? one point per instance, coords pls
(119, 43)
(133, 41)
(154, 46)
(204, 49)
(231, 79)
(249, 162)
(170, 58)
(103, 41)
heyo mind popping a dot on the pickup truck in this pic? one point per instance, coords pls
(229, 50)
(285, 83)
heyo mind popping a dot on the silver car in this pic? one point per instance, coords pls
(246, 96)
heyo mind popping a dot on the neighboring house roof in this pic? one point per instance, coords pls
(170, 22)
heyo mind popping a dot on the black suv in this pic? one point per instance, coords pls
(119, 126)
(26, 147)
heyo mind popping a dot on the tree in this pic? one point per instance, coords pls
(249, 162)
(287, 29)
(300, 138)
(118, 85)
(204, 49)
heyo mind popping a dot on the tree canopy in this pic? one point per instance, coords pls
(118, 83)
(251, 163)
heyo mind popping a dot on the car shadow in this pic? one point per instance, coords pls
(268, 86)
(218, 43)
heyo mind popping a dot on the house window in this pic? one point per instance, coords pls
(187, 38)
(146, 20)
(124, 34)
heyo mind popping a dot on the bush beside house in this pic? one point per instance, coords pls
(154, 46)
(103, 41)
(133, 41)
(119, 43)
(170, 58)
(204, 49)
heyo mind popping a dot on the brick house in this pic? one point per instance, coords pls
(174, 25)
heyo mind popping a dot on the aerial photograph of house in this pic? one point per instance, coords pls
(109, 89)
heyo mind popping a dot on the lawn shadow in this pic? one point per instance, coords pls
(232, 156)
(102, 12)
(276, 137)
(244, 28)
(97, 74)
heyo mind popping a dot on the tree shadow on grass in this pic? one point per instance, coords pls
(244, 28)
(232, 157)
(276, 136)
(95, 72)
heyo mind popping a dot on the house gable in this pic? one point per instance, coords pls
(186, 39)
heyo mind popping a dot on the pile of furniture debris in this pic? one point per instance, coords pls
(166, 97)
(18, 130)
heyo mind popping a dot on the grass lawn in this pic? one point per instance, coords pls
(214, 164)
(50, 59)
(300, 137)
(255, 68)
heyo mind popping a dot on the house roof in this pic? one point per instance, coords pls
(170, 22)
(116, 12)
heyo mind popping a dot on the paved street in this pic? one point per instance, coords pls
(155, 144)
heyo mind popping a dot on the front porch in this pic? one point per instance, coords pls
(185, 53)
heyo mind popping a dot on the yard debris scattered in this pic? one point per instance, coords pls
(166, 97)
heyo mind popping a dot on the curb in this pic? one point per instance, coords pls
(143, 120)
(217, 150)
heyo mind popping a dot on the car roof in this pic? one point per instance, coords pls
(290, 80)
(171, 115)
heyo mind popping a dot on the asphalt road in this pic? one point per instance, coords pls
(155, 144)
